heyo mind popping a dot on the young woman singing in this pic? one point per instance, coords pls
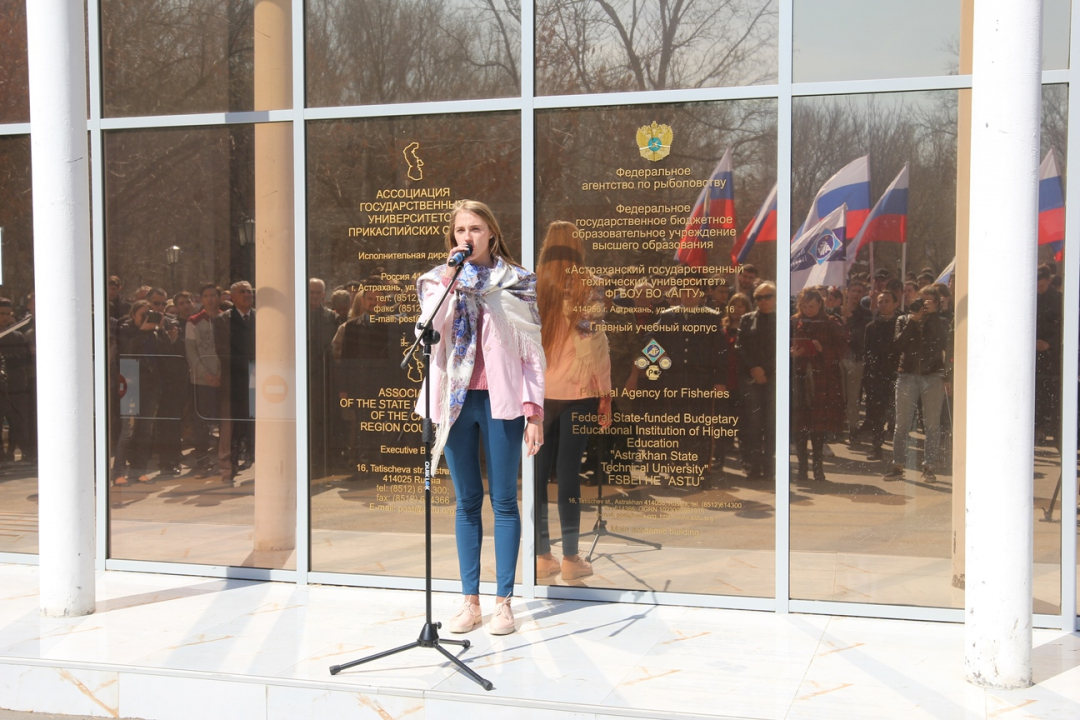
(487, 382)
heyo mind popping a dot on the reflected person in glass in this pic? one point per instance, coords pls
(924, 341)
(234, 336)
(487, 386)
(736, 307)
(577, 390)
(818, 342)
(1048, 335)
(142, 340)
(361, 349)
(15, 392)
(756, 346)
(168, 425)
(205, 368)
(879, 381)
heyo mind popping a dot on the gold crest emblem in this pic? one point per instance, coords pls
(654, 141)
(416, 165)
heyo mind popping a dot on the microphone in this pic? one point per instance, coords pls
(459, 257)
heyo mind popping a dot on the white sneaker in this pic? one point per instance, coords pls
(467, 618)
(502, 620)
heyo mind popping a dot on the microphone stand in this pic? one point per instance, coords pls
(429, 634)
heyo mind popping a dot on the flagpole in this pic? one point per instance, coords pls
(871, 262)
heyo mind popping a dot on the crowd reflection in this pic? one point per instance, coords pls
(18, 391)
(181, 375)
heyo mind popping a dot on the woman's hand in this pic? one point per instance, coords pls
(605, 411)
(459, 248)
(534, 437)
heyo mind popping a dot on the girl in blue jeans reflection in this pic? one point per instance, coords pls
(487, 387)
(577, 389)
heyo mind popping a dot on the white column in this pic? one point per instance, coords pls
(62, 282)
(275, 278)
(1005, 113)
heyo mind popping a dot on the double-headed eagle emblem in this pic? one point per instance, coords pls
(654, 141)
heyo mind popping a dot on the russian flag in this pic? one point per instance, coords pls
(888, 220)
(1051, 205)
(715, 209)
(850, 186)
(761, 229)
(818, 256)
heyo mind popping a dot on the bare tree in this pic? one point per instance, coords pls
(619, 45)
(177, 56)
(388, 51)
(14, 68)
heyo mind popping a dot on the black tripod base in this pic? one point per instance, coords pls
(429, 638)
(600, 530)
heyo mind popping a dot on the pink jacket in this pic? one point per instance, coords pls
(512, 382)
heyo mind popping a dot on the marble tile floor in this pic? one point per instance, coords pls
(162, 647)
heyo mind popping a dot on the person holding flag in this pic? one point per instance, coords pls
(714, 210)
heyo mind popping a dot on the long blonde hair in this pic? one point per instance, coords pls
(482, 211)
(561, 279)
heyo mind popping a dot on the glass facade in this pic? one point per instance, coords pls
(898, 38)
(232, 243)
(201, 358)
(380, 193)
(584, 47)
(14, 77)
(1049, 324)
(666, 502)
(165, 58)
(867, 436)
(18, 376)
(373, 52)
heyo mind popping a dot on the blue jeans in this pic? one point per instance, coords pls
(910, 389)
(561, 451)
(502, 450)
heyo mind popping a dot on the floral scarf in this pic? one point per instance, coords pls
(507, 294)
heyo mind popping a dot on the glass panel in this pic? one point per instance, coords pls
(895, 38)
(163, 57)
(18, 375)
(677, 493)
(202, 410)
(369, 52)
(898, 38)
(1056, 23)
(379, 193)
(872, 502)
(620, 46)
(1048, 334)
(14, 77)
